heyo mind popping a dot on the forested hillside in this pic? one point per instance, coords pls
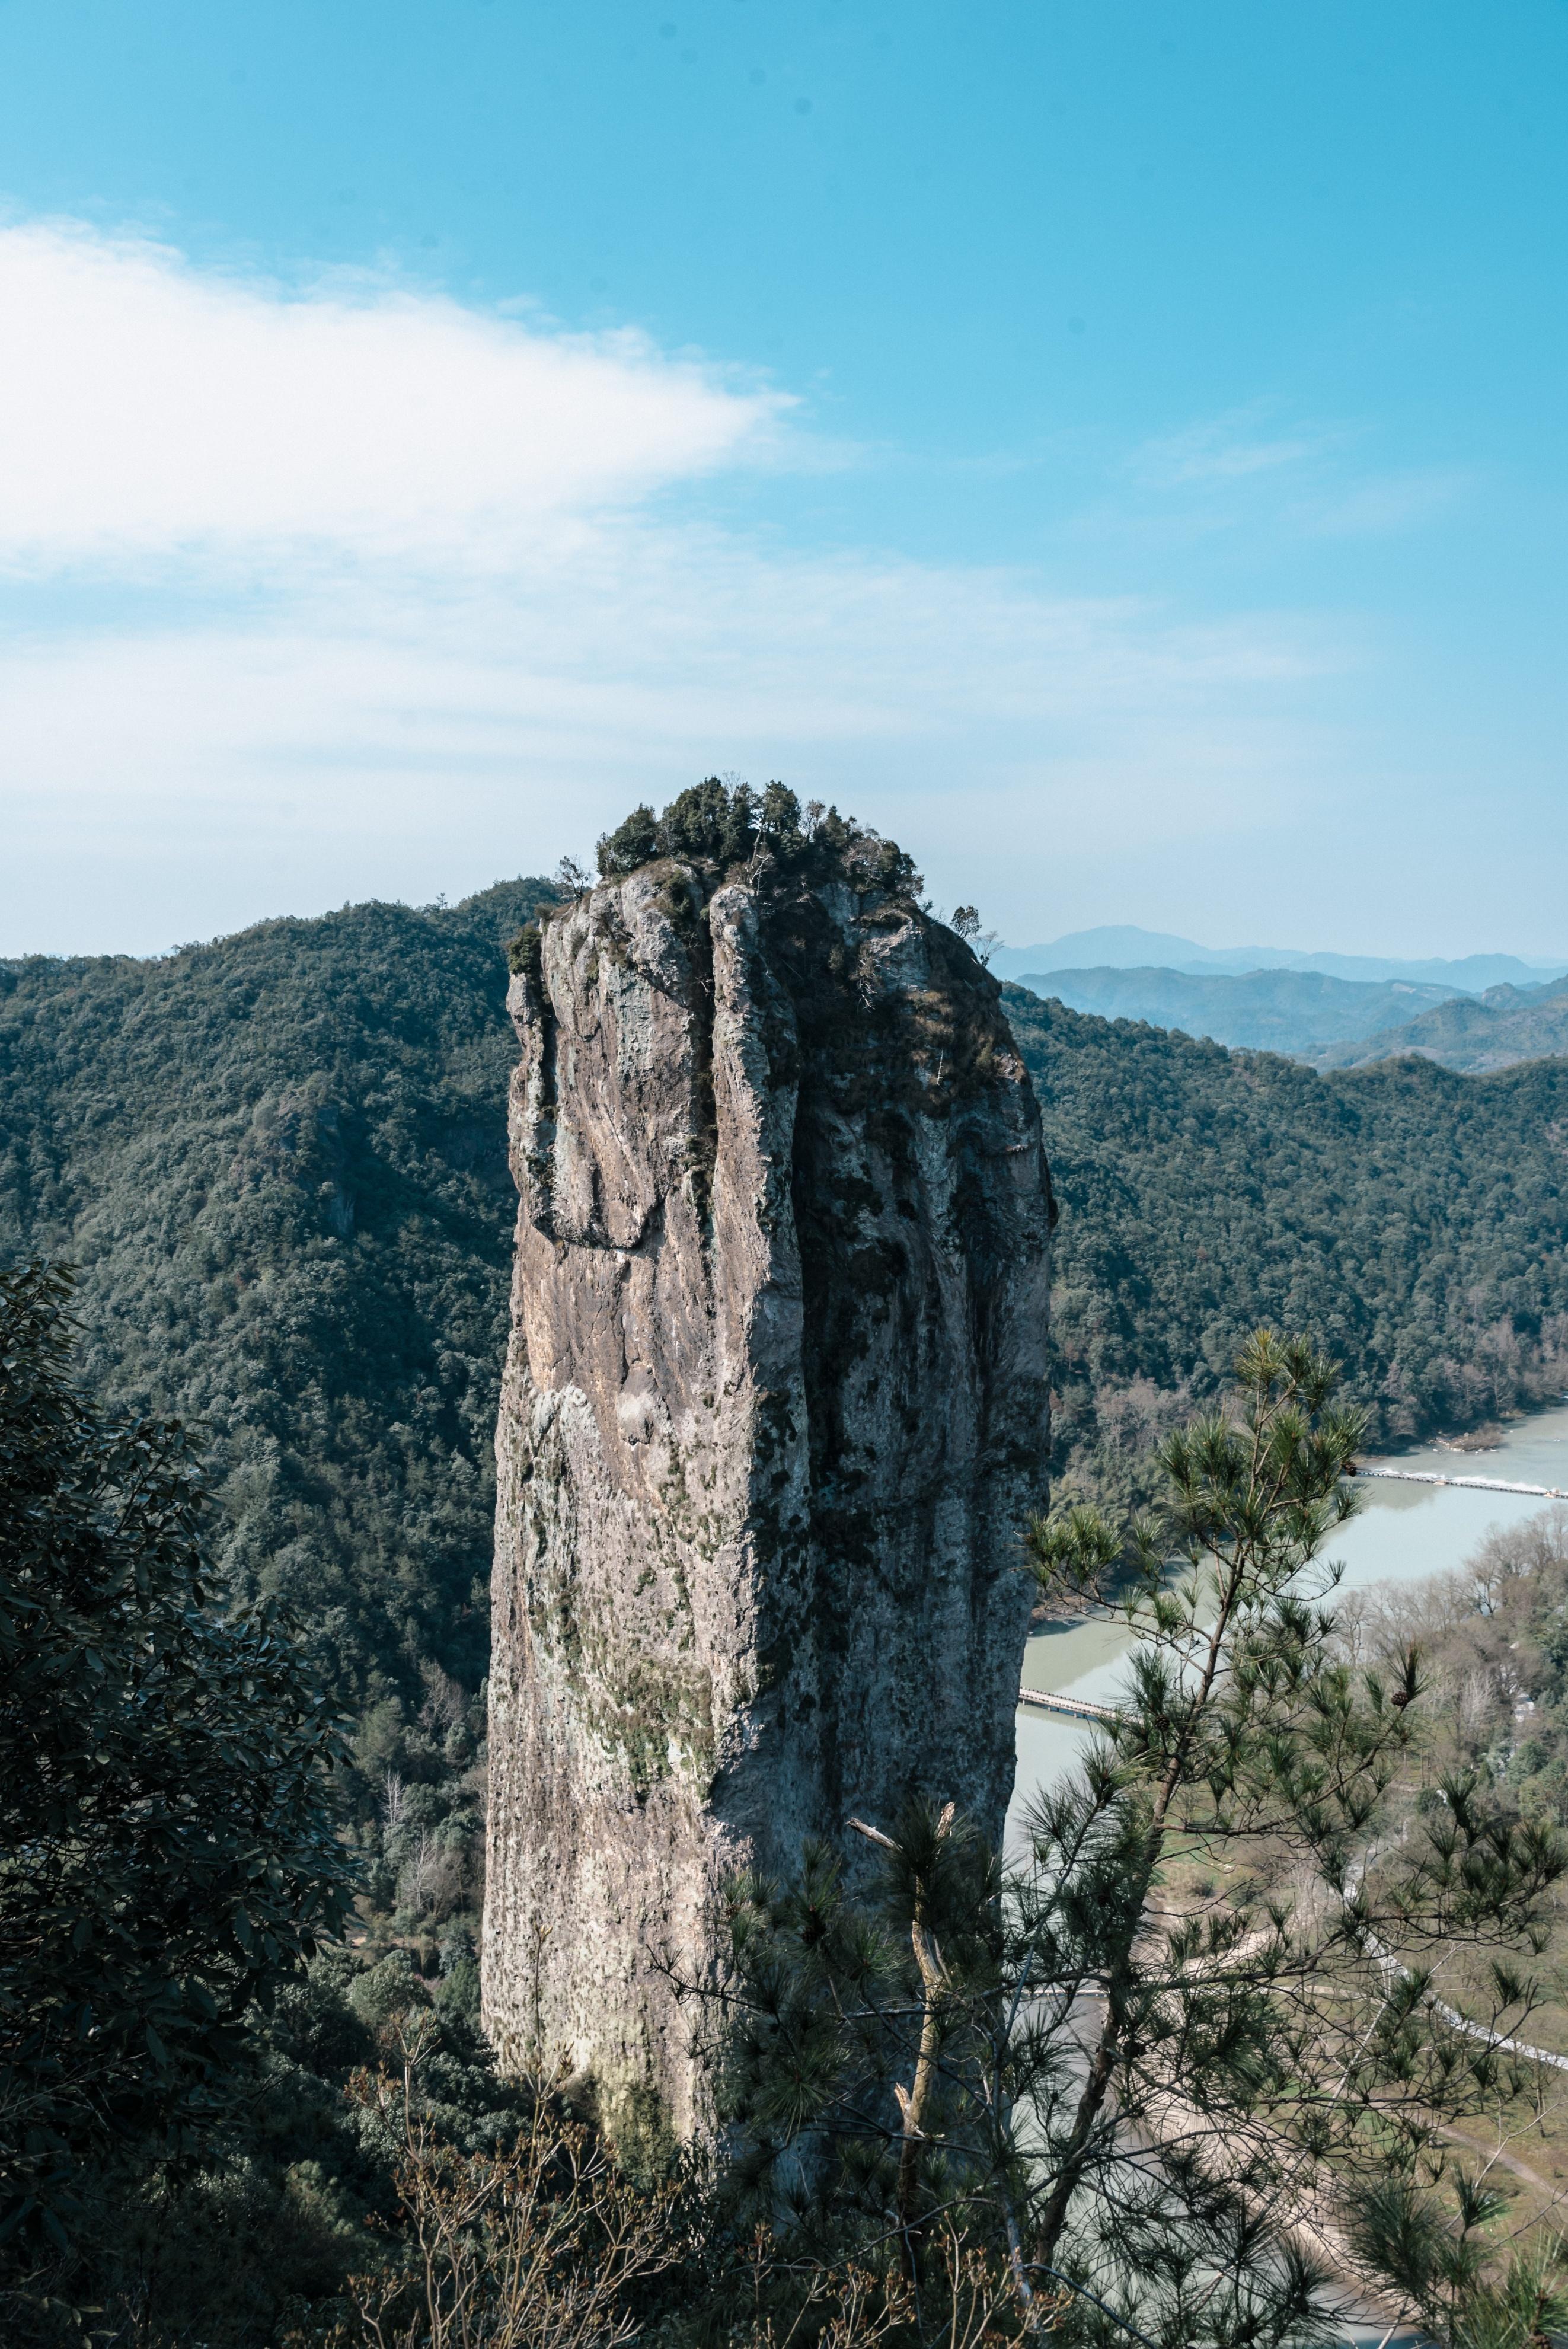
(1412, 1219)
(279, 1161)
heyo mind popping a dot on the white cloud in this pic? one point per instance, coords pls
(1224, 450)
(387, 596)
(411, 744)
(1390, 503)
(148, 410)
(1228, 467)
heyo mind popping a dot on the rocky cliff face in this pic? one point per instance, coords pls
(774, 1408)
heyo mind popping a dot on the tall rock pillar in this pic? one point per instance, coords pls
(774, 1410)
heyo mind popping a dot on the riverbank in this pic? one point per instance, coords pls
(1403, 1533)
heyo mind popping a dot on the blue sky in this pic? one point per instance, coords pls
(1117, 448)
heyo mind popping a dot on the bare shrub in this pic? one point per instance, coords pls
(1135, 1416)
(966, 2299)
(445, 1702)
(431, 1883)
(393, 1803)
(538, 2244)
(1481, 1632)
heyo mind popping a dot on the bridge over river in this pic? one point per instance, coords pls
(1462, 1483)
(1082, 1708)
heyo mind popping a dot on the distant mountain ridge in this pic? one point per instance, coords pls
(1126, 947)
(1473, 1034)
(1299, 1012)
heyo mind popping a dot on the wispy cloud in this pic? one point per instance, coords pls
(350, 589)
(1227, 449)
(1316, 480)
(1390, 502)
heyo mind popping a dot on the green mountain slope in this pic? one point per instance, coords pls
(1495, 1030)
(1411, 1219)
(279, 1161)
(1296, 1011)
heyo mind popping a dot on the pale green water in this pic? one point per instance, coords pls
(1403, 1533)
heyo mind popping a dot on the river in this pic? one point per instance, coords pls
(1402, 1532)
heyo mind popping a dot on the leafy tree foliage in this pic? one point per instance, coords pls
(295, 2191)
(168, 1850)
(1112, 2071)
(1436, 2250)
(279, 1162)
(716, 825)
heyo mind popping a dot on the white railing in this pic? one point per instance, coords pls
(1464, 1484)
(1082, 1708)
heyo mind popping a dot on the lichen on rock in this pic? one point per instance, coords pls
(774, 1410)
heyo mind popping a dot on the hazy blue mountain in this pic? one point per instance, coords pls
(1295, 1011)
(1495, 1030)
(1112, 947)
(1128, 948)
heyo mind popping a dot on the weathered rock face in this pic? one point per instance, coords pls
(774, 1409)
